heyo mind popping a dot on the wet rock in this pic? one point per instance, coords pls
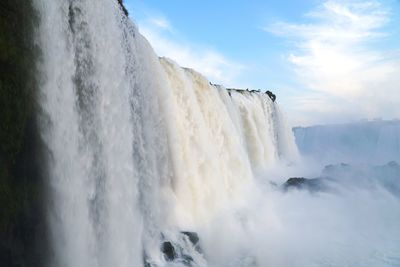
(23, 229)
(168, 250)
(271, 95)
(312, 185)
(241, 91)
(182, 250)
(121, 3)
(193, 237)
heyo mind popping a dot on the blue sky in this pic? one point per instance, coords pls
(328, 61)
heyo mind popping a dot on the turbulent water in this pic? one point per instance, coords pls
(140, 149)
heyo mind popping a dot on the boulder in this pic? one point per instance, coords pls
(168, 250)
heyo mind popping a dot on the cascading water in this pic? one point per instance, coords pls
(374, 142)
(215, 141)
(139, 147)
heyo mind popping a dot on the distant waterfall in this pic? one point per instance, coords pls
(138, 146)
(373, 142)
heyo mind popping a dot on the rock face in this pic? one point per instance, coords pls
(238, 90)
(168, 250)
(22, 227)
(121, 3)
(271, 95)
(312, 185)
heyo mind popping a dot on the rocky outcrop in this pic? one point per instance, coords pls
(179, 251)
(271, 95)
(22, 229)
(301, 183)
(121, 3)
(193, 237)
(168, 251)
(237, 90)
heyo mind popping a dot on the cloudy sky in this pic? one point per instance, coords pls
(328, 61)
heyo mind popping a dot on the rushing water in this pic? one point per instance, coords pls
(141, 149)
(139, 146)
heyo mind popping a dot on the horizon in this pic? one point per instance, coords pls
(328, 62)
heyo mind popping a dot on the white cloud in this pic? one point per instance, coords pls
(335, 59)
(209, 62)
(161, 23)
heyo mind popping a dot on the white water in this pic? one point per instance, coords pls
(139, 148)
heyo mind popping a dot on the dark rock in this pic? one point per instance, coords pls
(193, 237)
(236, 90)
(339, 176)
(215, 84)
(295, 181)
(313, 185)
(121, 3)
(177, 251)
(23, 236)
(271, 95)
(169, 251)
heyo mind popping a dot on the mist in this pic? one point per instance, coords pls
(371, 142)
(147, 163)
(345, 212)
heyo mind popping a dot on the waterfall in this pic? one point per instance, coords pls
(373, 142)
(139, 148)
